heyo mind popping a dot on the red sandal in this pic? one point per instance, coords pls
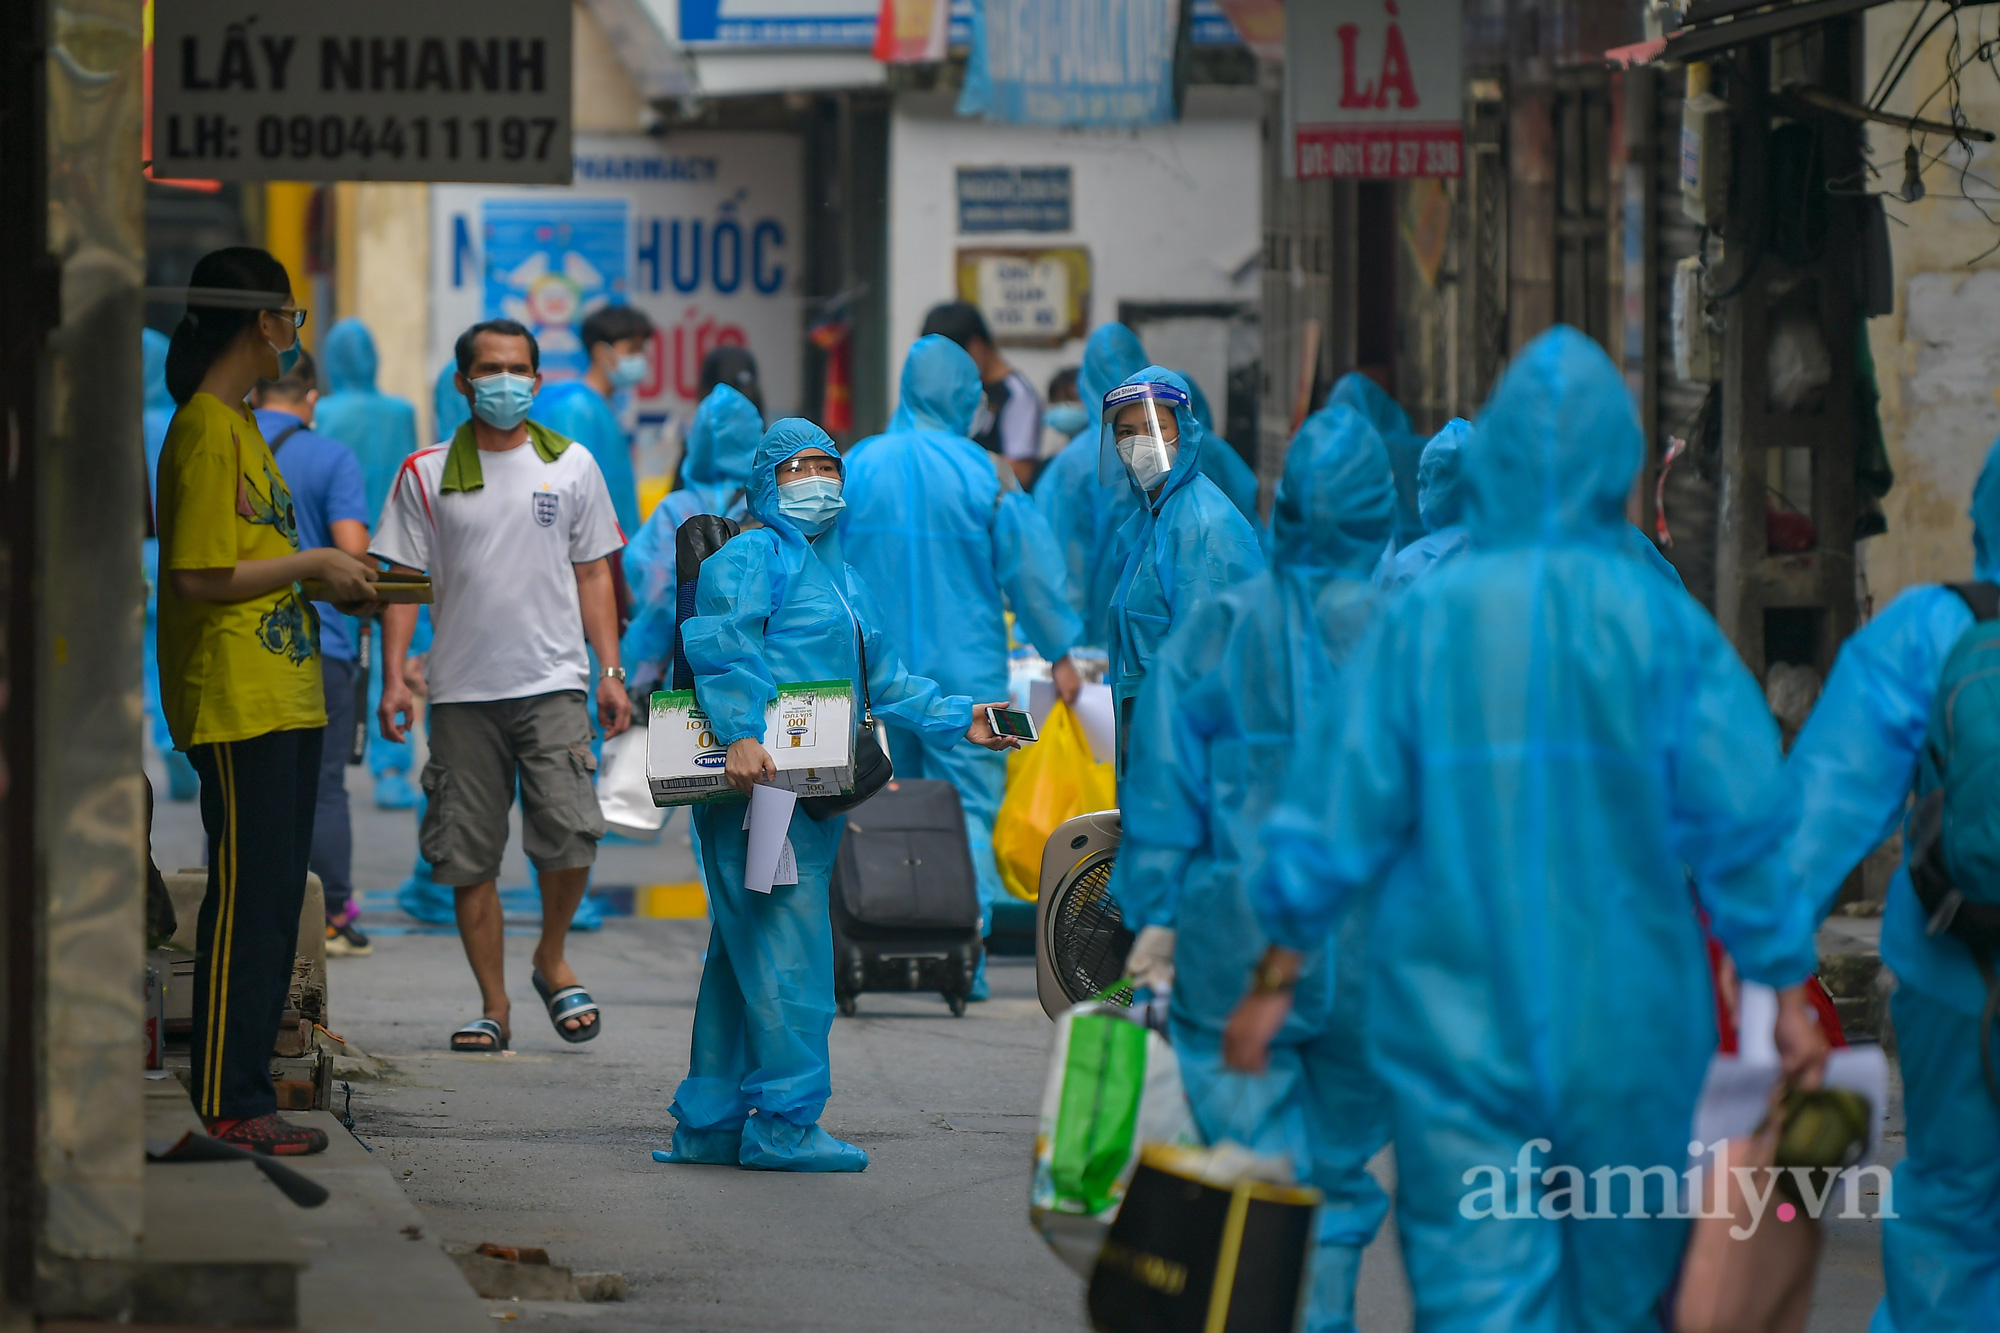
(268, 1134)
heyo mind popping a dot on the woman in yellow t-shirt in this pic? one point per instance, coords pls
(239, 669)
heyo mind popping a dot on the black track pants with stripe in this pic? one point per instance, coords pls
(257, 802)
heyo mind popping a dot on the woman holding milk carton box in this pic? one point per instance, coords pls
(778, 605)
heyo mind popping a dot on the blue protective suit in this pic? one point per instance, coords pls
(715, 478)
(1441, 507)
(1084, 515)
(448, 406)
(1212, 737)
(1181, 547)
(774, 607)
(1535, 740)
(1856, 763)
(182, 785)
(942, 536)
(1220, 462)
(575, 409)
(1406, 447)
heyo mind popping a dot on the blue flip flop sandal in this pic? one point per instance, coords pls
(569, 1002)
(466, 1041)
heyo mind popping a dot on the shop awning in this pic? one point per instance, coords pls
(1717, 25)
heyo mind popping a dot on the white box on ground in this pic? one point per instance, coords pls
(809, 730)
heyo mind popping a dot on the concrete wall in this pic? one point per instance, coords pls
(1169, 212)
(1938, 355)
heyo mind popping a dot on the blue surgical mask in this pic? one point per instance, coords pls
(1066, 418)
(811, 503)
(287, 357)
(503, 400)
(629, 371)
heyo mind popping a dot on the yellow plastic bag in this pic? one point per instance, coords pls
(1047, 782)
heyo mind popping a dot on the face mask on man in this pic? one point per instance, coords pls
(1066, 418)
(629, 371)
(503, 400)
(811, 503)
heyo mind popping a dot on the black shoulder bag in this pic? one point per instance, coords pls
(872, 769)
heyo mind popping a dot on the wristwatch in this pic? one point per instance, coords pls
(613, 673)
(1270, 977)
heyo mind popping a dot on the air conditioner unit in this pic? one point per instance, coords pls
(1080, 938)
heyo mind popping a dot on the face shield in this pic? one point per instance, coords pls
(1141, 435)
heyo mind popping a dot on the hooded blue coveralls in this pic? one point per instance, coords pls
(1856, 764)
(1083, 514)
(1220, 462)
(1182, 546)
(1537, 738)
(182, 785)
(573, 408)
(1406, 447)
(1441, 505)
(382, 432)
(1211, 740)
(940, 536)
(448, 405)
(773, 607)
(715, 476)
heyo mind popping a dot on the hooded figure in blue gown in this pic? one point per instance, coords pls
(715, 479)
(776, 605)
(1185, 543)
(1211, 740)
(382, 432)
(1856, 762)
(576, 409)
(1406, 447)
(1083, 514)
(1534, 741)
(1441, 506)
(1220, 462)
(941, 535)
(449, 408)
(182, 785)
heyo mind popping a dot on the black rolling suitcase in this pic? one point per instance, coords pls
(904, 898)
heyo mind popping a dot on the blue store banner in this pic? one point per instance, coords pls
(851, 23)
(1054, 62)
(549, 264)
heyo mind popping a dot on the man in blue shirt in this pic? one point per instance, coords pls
(332, 510)
(614, 338)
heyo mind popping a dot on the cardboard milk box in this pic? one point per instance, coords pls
(809, 731)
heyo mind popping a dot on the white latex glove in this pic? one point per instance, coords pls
(1151, 961)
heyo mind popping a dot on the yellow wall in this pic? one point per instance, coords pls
(1938, 355)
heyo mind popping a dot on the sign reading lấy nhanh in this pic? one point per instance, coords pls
(1373, 88)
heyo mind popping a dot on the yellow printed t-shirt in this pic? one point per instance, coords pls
(230, 670)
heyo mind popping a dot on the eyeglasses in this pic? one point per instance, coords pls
(298, 317)
(816, 465)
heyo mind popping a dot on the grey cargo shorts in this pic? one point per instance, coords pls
(479, 751)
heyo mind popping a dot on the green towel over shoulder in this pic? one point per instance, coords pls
(461, 466)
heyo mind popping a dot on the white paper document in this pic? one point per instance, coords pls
(1099, 716)
(770, 859)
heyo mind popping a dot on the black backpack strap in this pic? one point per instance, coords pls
(287, 434)
(1982, 599)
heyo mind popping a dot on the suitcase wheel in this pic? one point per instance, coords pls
(957, 1003)
(847, 1006)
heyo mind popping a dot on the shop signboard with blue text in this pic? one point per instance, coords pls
(851, 23)
(701, 231)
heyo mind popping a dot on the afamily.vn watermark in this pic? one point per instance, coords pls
(1567, 1194)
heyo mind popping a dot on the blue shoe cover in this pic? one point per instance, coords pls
(427, 900)
(182, 783)
(589, 914)
(703, 1147)
(394, 792)
(980, 990)
(773, 1143)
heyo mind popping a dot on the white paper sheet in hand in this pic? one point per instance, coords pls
(769, 859)
(1099, 717)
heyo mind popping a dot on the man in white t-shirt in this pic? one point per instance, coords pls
(514, 525)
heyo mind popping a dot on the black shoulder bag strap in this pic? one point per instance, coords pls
(284, 435)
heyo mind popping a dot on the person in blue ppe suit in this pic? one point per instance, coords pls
(1211, 739)
(381, 429)
(1406, 447)
(715, 479)
(779, 604)
(1441, 506)
(1856, 762)
(448, 406)
(1220, 462)
(182, 784)
(1083, 514)
(1186, 543)
(941, 533)
(1536, 739)
(614, 338)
